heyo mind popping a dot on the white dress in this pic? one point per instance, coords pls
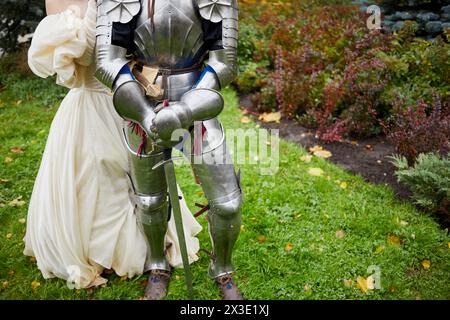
(80, 219)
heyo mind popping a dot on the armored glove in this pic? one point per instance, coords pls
(195, 105)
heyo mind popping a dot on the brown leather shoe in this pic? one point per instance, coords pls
(158, 282)
(228, 288)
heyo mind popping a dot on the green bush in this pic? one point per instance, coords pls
(428, 180)
(315, 61)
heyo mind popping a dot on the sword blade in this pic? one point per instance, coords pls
(175, 201)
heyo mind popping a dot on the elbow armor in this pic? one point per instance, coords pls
(223, 61)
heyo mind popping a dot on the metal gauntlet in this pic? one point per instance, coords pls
(195, 105)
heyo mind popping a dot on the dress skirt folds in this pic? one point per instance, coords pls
(80, 218)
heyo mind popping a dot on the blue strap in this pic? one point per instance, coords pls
(126, 70)
(207, 70)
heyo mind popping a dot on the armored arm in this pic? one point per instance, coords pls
(115, 20)
(204, 102)
(222, 66)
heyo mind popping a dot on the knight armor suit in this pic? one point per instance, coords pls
(165, 61)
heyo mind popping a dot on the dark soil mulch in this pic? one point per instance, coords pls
(367, 157)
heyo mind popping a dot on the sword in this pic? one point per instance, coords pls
(171, 180)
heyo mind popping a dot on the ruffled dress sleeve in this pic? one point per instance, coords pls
(63, 44)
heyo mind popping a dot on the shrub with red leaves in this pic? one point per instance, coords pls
(414, 131)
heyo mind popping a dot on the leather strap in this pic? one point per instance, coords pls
(151, 12)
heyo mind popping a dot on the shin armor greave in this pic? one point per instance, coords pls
(150, 199)
(215, 171)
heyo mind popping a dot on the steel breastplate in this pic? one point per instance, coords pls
(174, 40)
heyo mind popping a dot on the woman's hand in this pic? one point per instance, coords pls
(58, 6)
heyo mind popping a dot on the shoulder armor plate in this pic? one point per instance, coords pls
(120, 10)
(217, 10)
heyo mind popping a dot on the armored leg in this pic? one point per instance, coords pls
(150, 198)
(215, 171)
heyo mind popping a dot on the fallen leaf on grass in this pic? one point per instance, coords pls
(3, 181)
(245, 120)
(35, 284)
(8, 159)
(270, 117)
(17, 150)
(22, 221)
(306, 159)
(365, 284)
(361, 283)
(33, 259)
(289, 247)
(315, 148)
(11, 273)
(320, 152)
(340, 234)
(123, 278)
(5, 284)
(18, 102)
(262, 239)
(18, 202)
(394, 240)
(426, 264)
(9, 235)
(316, 172)
(403, 223)
(369, 147)
(199, 193)
(343, 185)
(307, 288)
(448, 244)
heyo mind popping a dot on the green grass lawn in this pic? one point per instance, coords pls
(303, 236)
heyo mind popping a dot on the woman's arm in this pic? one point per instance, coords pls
(58, 6)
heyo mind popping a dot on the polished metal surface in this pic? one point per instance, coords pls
(178, 84)
(174, 39)
(203, 103)
(221, 186)
(209, 80)
(214, 10)
(120, 10)
(224, 61)
(150, 198)
(110, 60)
(131, 104)
(195, 105)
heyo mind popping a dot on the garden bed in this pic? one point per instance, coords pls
(367, 157)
